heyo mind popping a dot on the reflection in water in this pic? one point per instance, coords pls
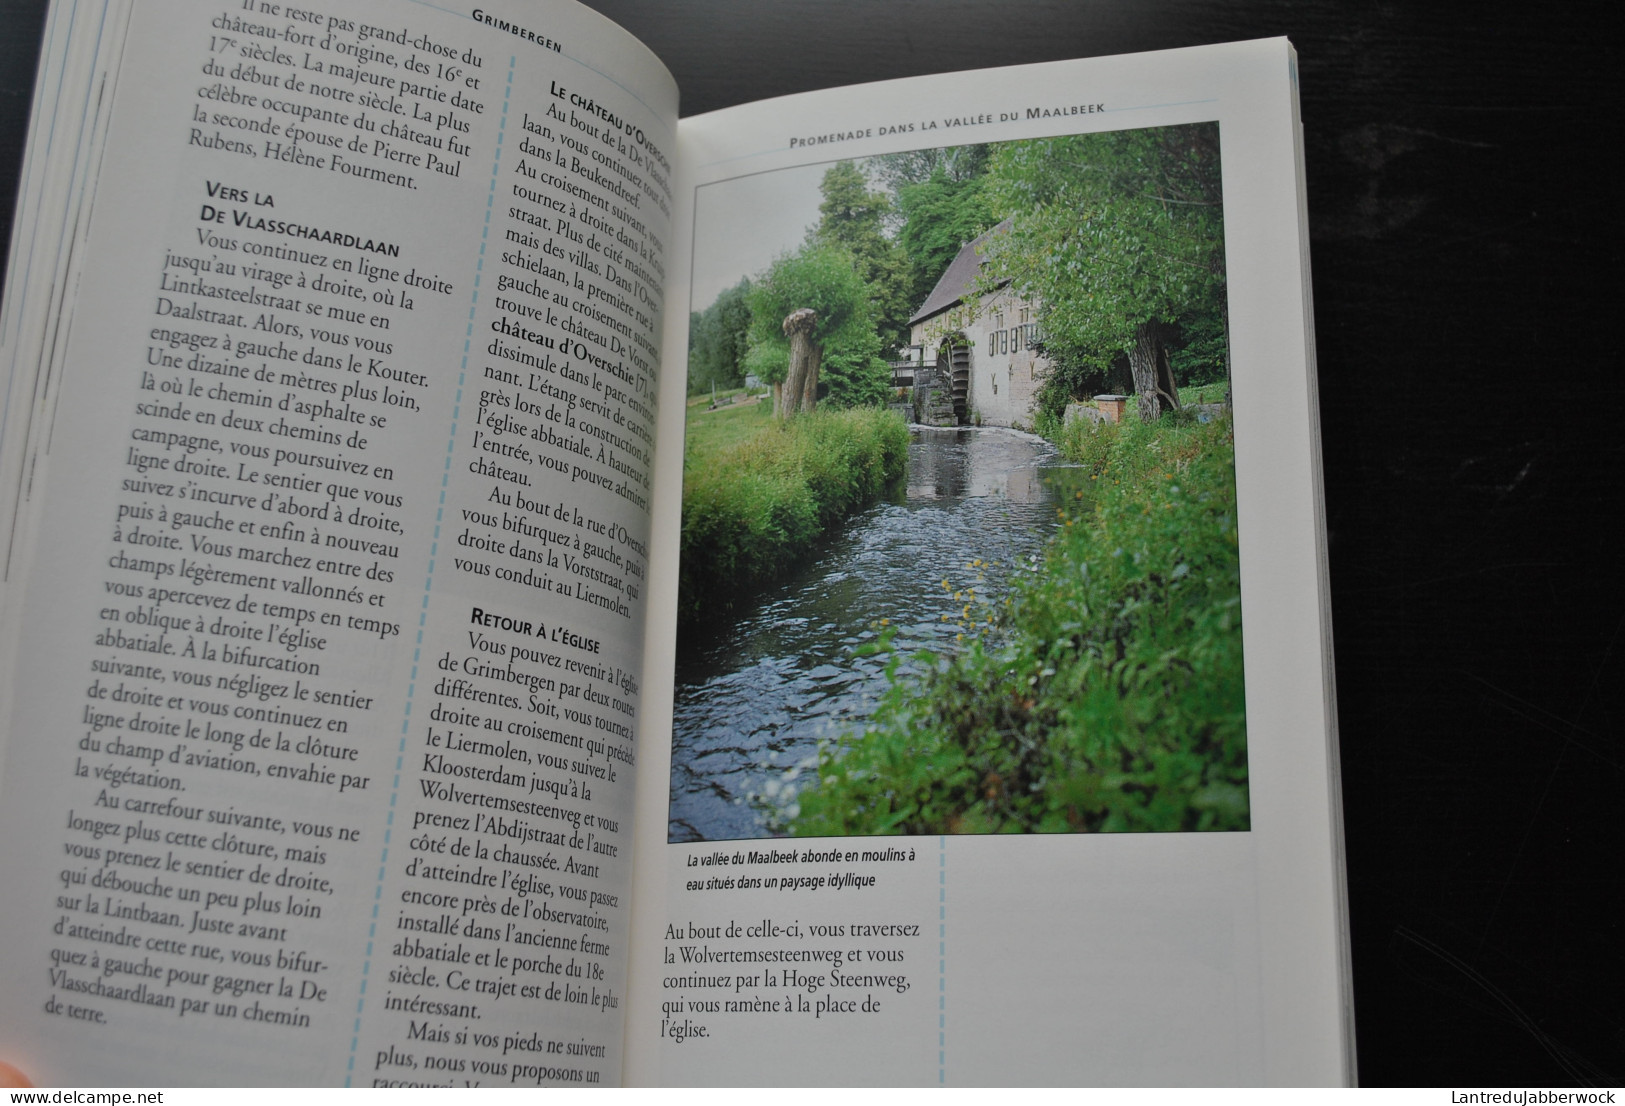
(756, 696)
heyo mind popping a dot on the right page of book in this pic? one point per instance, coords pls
(994, 641)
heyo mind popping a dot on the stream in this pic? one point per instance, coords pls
(756, 695)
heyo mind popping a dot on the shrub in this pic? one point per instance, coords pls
(1107, 693)
(753, 510)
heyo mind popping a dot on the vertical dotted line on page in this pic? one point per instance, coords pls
(428, 580)
(942, 959)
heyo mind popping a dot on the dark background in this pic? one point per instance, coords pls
(1465, 233)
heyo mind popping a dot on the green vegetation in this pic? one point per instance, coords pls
(757, 494)
(853, 218)
(713, 432)
(1199, 346)
(1214, 391)
(1104, 694)
(940, 214)
(1070, 439)
(1119, 236)
(718, 340)
(721, 394)
(850, 272)
(822, 277)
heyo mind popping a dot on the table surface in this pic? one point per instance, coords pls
(1465, 244)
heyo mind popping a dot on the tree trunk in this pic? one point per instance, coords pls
(809, 390)
(1153, 375)
(1165, 377)
(801, 385)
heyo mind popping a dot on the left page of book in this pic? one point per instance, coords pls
(325, 593)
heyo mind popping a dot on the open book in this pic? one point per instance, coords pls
(503, 587)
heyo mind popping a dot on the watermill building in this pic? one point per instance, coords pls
(973, 354)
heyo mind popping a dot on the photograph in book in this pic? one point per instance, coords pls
(959, 540)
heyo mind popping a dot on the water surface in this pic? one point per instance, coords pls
(757, 694)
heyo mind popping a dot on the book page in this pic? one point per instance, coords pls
(999, 749)
(329, 601)
(77, 73)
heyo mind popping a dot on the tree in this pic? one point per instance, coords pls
(801, 381)
(718, 341)
(1119, 236)
(854, 218)
(940, 214)
(956, 163)
(822, 278)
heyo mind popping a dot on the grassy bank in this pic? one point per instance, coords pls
(1104, 694)
(758, 493)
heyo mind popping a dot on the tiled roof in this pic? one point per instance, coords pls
(958, 279)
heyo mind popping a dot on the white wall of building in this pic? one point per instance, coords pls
(1005, 369)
